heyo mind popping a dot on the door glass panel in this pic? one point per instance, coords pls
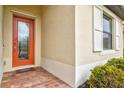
(23, 40)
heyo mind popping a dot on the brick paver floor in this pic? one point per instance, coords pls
(35, 78)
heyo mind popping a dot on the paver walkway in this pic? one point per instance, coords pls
(33, 78)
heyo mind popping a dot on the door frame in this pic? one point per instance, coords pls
(33, 27)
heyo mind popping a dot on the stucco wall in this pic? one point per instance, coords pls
(27, 11)
(84, 37)
(86, 59)
(58, 42)
(1, 42)
(58, 26)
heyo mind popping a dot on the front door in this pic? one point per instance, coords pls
(23, 41)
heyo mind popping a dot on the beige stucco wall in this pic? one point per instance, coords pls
(58, 37)
(58, 41)
(1, 43)
(84, 37)
(1, 30)
(28, 11)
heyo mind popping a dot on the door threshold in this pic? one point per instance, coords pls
(25, 70)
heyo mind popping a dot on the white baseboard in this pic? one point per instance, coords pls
(63, 71)
(1, 71)
(83, 71)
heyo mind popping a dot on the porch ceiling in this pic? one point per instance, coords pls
(117, 9)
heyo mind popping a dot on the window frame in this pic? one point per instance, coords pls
(110, 19)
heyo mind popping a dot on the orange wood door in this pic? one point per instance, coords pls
(23, 41)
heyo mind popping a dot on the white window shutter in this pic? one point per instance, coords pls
(98, 21)
(117, 35)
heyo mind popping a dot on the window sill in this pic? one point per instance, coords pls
(108, 52)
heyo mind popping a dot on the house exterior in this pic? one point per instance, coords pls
(92, 46)
(53, 39)
(68, 41)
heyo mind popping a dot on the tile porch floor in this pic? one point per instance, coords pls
(35, 78)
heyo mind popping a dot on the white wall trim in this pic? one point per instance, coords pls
(108, 52)
(1, 72)
(83, 71)
(22, 13)
(63, 71)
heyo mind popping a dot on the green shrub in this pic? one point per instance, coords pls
(117, 62)
(106, 77)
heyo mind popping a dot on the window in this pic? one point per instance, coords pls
(107, 33)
